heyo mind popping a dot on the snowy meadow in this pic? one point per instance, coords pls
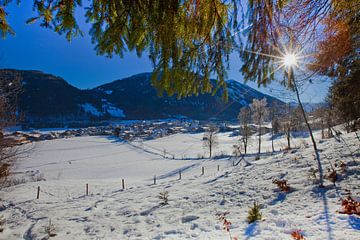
(82, 195)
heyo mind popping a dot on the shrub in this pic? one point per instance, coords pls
(331, 176)
(4, 183)
(4, 170)
(2, 223)
(37, 177)
(350, 206)
(221, 216)
(341, 166)
(50, 229)
(303, 144)
(282, 184)
(312, 173)
(164, 197)
(297, 235)
(254, 214)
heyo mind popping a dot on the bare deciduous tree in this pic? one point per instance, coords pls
(210, 140)
(259, 114)
(325, 117)
(244, 118)
(288, 124)
(275, 125)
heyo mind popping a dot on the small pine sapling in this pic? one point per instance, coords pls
(297, 235)
(164, 197)
(50, 229)
(282, 184)
(2, 223)
(254, 213)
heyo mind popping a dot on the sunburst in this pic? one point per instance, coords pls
(289, 60)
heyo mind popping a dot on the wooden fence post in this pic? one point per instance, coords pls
(87, 189)
(218, 167)
(180, 175)
(154, 179)
(202, 171)
(123, 184)
(38, 192)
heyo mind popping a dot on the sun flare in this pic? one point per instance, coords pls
(289, 60)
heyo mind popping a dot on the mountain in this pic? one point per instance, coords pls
(308, 106)
(47, 98)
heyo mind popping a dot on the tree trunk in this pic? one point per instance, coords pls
(246, 139)
(210, 148)
(245, 145)
(317, 155)
(259, 139)
(272, 138)
(288, 137)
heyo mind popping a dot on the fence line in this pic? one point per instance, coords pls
(38, 189)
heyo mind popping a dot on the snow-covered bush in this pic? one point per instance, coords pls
(2, 223)
(50, 229)
(37, 177)
(8, 182)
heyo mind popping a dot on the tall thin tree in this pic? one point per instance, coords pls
(259, 114)
(210, 139)
(244, 118)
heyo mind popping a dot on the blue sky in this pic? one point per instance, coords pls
(37, 48)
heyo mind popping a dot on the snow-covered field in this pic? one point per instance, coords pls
(109, 212)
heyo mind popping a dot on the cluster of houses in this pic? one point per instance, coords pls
(155, 129)
(35, 136)
(127, 131)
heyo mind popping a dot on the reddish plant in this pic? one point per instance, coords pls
(221, 216)
(297, 235)
(282, 184)
(350, 206)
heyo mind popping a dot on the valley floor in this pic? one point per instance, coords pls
(109, 212)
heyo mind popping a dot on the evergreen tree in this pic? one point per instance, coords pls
(345, 98)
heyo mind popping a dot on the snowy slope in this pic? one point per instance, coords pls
(136, 213)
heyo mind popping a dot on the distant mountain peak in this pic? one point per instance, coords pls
(46, 100)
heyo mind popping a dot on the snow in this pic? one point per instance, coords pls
(108, 92)
(115, 112)
(89, 108)
(136, 212)
(106, 107)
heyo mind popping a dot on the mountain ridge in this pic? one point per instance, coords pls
(128, 98)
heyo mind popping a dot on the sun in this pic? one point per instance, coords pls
(289, 60)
